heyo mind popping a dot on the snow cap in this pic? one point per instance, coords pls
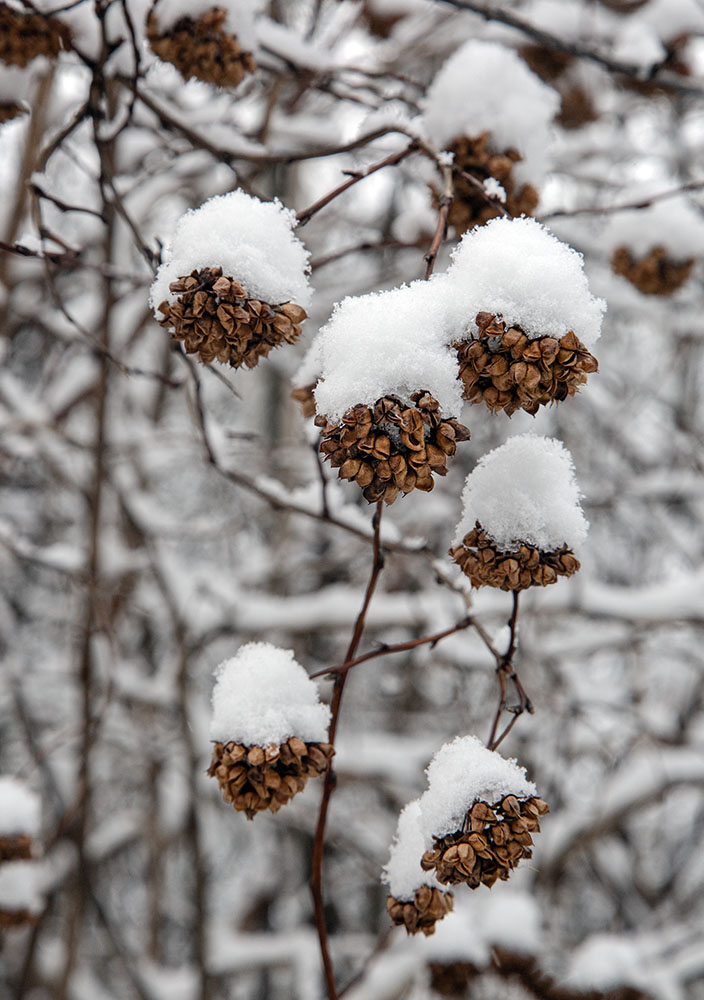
(525, 491)
(251, 240)
(19, 886)
(461, 773)
(486, 87)
(672, 223)
(263, 696)
(519, 271)
(20, 809)
(388, 343)
(403, 873)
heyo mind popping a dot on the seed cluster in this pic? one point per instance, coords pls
(10, 111)
(451, 979)
(501, 367)
(304, 395)
(477, 157)
(523, 567)
(556, 68)
(201, 48)
(653, 274)
(422, 912)
(392, 447)
(490, 844)
(17, 848)
(256, 778)
(25, 36)
(216, 319)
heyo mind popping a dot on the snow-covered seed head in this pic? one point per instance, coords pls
(208, 41)
(19, 819)
(234, 281)
(20, 894)
(524, 317)
(477, 815)
(521, 517)
(416, 900)
(269, 729)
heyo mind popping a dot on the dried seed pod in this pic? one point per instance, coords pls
(202, 48)
(527, 566)
(15, 848)
(215, 318)
(506, 370)
(491, 842)
(451, 979)
(422, 912)
(26, 35)
(653, 274)
(391, 447)
(255, 778)
(478, 157)
(304, 395)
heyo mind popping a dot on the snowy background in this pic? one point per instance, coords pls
(158, 514)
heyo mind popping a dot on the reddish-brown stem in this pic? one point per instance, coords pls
(307, 214)
(397, 647)
(489, 198)
(316, 879)
(506, 671)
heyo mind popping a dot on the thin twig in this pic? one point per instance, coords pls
(506, 671)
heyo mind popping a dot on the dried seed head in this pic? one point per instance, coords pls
(26, 35)
(493, 839)
(202, 48)
(391, 447)
(527, 566)
(478, 157)
(653, 274)
(422, 912)
(216, 319)
(255, 778)
(505, 370)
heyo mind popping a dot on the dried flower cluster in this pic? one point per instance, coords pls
(201, 48)
(422, 912)
(451, 979)
(478, 158)
(255, 778)
(490, 844)
(576, 105)
(15, 848)
(653, 274)
(523, 567)
(216, 319)
(392, 447)
(305, 396)
(24, 36)
(506, 370)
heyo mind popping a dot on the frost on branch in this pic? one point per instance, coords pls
(495, 115)
(521, 516)
(415, 899)
(388, 391)
(269, 729)
(526, 316)
(477, 815)
(234, 282)
(211, 41)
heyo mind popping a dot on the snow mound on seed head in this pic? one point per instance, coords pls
(486, 87)
(20, 887)
(263, 695)
(525, 491)
(251, 240)
(388, 343)
(403, 873)
(519, 271)
(19, 809)
(461, 773)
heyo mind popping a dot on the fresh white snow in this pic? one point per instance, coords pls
(251, 240)
(20, 810)
(263, 696)
(19, 886)
(403, 873)
(525, 491)
(461, 773)
(518, 270)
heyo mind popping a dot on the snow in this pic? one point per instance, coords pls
(403, 873)
(672, 223)
(388, 343)
(486, 87)
(460, 773)
(19, 886)
(263, 696)
(604, 962)
(251, 240)
(239, 20)
(20, 810)
(518, 270)
(15, 84)
(672, 18)
(525, 491)
(494, 189)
